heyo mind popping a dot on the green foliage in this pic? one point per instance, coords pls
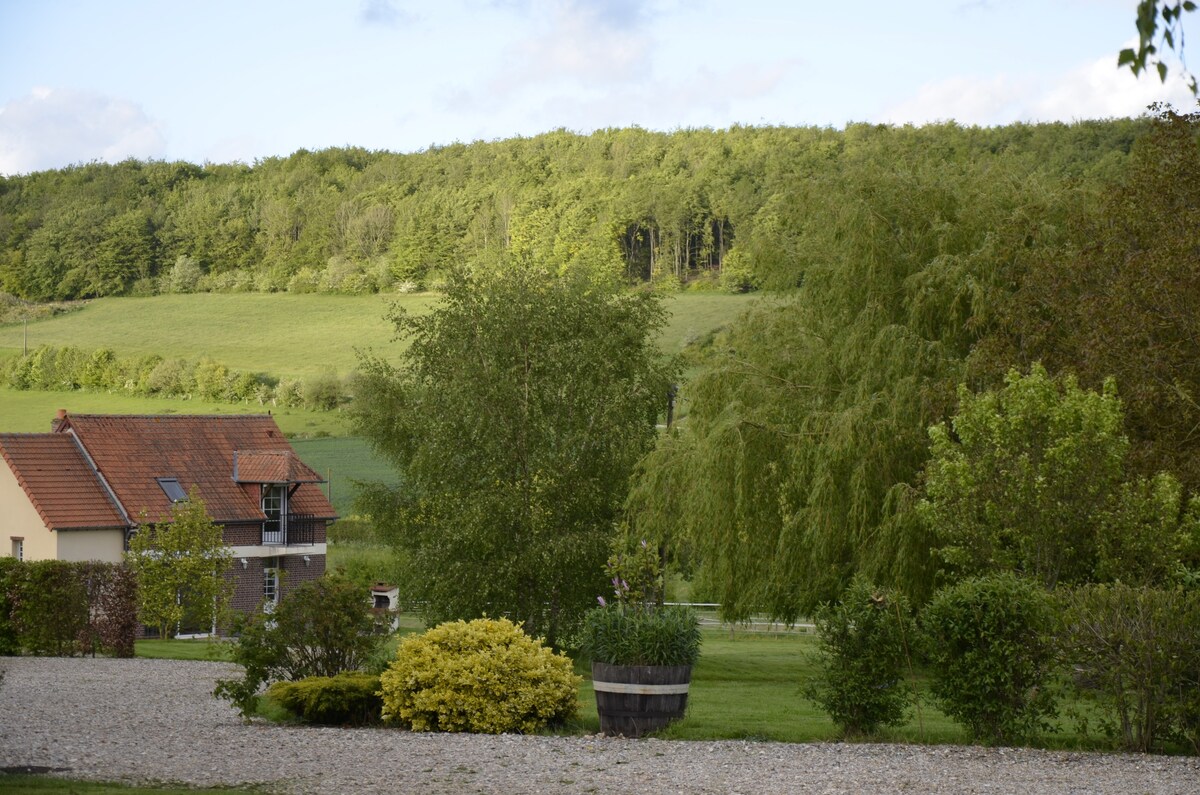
(1019, 479)
(1153, 33)
(663, 208)
(1137, 649)
(864, 649)
(523, 402)
(1117, 299)
(1032, 478)
(10, 579)
(180, 566)
(992, 656)
(324, 392)
(630, 634)
(54, 607)
(348, 699)
(323, 628)
(49, 368)
(1150, 534)
(483, 676)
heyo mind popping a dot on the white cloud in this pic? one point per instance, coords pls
(53, 126)
(1096, 90)
(590, 42)
(384, 13)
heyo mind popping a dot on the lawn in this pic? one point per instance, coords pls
(283, 334)
(31, 412)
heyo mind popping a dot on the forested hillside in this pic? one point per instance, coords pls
(749, 206)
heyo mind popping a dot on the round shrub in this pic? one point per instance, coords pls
(864, 645)
(483, 676)
(992, 655)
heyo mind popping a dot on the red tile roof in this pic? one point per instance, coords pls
(133, 451)
(272, 466)
(59, 481)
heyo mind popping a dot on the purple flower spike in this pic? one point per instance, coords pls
(603, 603)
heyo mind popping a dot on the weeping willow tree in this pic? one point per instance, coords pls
(806, 435)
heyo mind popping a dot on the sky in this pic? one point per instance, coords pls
(241, 80)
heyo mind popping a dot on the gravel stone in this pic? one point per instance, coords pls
(141, 721)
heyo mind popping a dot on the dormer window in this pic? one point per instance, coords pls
(172, 489)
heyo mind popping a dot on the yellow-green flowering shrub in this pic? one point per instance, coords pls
(482, 676)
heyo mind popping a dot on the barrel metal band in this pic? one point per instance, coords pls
(641, 690)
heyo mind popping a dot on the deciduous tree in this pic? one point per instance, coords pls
(180, 566)
(515, 418)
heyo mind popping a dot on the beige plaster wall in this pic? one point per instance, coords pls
(105, 545)
(18, 517)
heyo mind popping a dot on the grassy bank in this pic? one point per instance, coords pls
(31, 412)
(283, 334)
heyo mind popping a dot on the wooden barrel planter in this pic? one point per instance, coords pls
(633, 700)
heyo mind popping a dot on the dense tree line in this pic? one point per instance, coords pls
(738, 207)
(805, 456)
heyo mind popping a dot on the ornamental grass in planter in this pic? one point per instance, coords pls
(642, 651)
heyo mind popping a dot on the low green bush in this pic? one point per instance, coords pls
(348, 699)
(992, 656)
(863, 651)
(322, 628)
(1138, 651)
(483, 676)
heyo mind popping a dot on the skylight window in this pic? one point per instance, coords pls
(172, 489)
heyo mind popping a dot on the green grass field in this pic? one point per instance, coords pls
(31, 412)
(345, 461)
(286, 335)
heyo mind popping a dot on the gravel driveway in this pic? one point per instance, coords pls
(155, 720)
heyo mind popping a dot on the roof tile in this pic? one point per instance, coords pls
(59, 481)
(133, 451)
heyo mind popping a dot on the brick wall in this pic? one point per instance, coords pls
(243, 534)
(296, 573)
(248, 582)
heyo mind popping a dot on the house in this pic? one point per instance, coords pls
(78, 492)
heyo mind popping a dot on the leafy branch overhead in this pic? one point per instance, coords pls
(1159, 22)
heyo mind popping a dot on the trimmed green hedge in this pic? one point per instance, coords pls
(55, 607)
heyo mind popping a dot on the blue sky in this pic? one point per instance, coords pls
(218, 80)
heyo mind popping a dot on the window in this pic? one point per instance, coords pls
(271, 580)
(274, 507)
(18, 548)
(172, 489)
(273, 498)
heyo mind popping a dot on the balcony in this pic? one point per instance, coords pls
(293, 529)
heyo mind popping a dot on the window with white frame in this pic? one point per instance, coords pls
(18, 547)
(271, 580)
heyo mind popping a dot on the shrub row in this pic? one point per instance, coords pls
(1000, 651)
(55, 607)
(70, 368)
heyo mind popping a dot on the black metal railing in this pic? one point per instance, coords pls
(297, 529)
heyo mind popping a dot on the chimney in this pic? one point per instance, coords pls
(58, 420)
